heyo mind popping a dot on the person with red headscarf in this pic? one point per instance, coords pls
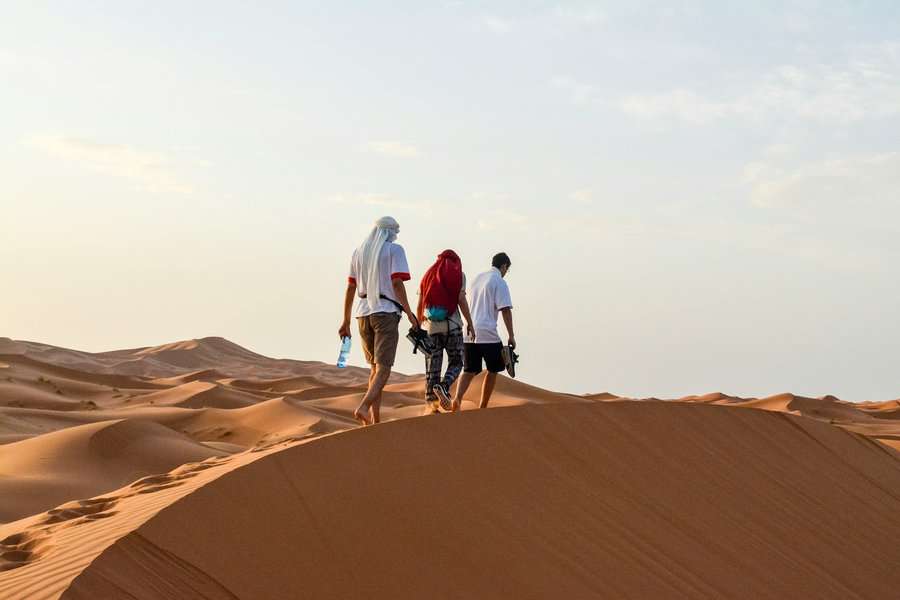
(442, 297)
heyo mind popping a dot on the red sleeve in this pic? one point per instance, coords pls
(400, 276)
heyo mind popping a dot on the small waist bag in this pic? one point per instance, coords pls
(436, 313)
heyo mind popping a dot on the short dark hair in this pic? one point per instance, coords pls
(501, 260)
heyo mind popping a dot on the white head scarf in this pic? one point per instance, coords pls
(385, 230)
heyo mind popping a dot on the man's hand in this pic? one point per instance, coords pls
(470, 331)
(508, 321)
(349, 295)
(412, 319)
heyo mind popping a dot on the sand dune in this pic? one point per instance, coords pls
(264, 423)
(575, 501)
(194, 468)
(21, 368)
(175, 359)
(713, 398)
(199, 375)
(83, 461)
(200, 394)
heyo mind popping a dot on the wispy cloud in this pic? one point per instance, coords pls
(855, 181)
(552, 18)
(27, 65)
(587, 16)
(494, 24)
(382, 200)
(582, 196)
(866, 85)
(151, 171)
(579, 92)
(778, 149)
(394, 149)
(497, 219)
(679, 104)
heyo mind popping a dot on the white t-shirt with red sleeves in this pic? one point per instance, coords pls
(391, 265)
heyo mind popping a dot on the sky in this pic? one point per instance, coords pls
(696, 198)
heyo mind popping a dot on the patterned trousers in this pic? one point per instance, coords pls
(453, 343)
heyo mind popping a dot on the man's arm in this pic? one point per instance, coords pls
(508, 321)
(464, 309)
(420, 309)
(400, 293)
(349, 295)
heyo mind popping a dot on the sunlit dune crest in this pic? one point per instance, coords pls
(203, 469)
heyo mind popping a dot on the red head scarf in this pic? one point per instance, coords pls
(442, 282)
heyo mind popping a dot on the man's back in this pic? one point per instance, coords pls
(488, 295)
(392, 265)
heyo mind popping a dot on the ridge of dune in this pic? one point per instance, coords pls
(181, 358)
(35, 366)
(717, 397)
(202, 358)
(41, 554)
(602, 396)
(180, 415)
(199, 353)
(200, 394)
(59, 356)
(513, 391)
(85, 460)
(614, 499)
(280, 385)
(198, 375)
(264, 423)
(9, 346)
(217, 353)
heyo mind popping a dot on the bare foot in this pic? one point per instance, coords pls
(361, 414)
(455, 406)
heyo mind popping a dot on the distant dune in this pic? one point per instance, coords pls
(82, 461)
(200, 469)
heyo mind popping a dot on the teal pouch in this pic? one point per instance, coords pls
(436, 313)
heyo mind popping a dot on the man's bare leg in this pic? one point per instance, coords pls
(487, 388)
(376, 403)
(361, 413)
(367, 412)
(462, 385)
(371, 412)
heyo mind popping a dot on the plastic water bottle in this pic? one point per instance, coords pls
(345, 352)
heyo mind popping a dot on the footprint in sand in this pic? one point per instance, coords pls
(20, 549)
(151, 480)
(155, 483)
(92, 509)
(23, 548)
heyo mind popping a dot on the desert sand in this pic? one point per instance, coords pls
(200, 469)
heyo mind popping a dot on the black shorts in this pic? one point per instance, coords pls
(492, 354)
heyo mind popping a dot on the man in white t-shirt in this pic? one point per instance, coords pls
(488, 296)
(378, 269)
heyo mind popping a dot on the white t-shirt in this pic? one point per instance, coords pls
(488, 295)
(391, 265)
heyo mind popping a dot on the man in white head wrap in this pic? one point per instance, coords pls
(377, 272)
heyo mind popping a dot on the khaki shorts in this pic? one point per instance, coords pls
(380, 333)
